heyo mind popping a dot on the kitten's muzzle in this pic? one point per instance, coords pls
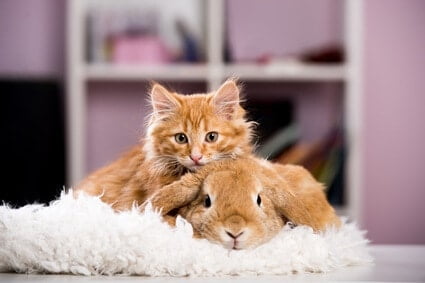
(196, 158)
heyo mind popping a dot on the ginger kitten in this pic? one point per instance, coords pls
(184, 132)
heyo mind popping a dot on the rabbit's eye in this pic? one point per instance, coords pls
(207, 201)
(259, 200)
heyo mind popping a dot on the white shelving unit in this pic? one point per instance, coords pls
(213, 72)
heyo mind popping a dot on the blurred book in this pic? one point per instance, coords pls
(324, 159)
(279, 142)
(299, 153)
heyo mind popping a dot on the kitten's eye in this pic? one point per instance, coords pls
(180, 138)
(207, 201)
(211, 137)
(259, 200)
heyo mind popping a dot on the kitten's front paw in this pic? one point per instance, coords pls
(156, 203)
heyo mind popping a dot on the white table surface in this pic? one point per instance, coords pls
(403, 263)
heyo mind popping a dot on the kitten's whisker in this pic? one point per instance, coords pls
(167, 164)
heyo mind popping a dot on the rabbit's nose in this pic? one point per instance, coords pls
(232, 235)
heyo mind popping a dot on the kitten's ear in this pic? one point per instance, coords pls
(162, 100)
(226, 99)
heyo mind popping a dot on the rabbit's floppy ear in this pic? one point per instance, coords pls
(301, 199)
(177, 194)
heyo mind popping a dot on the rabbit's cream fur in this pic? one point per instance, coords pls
(249, 201)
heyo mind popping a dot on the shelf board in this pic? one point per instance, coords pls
(198, 72)
(287, 71)
(179, 72)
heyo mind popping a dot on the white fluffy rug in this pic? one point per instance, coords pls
(85, 236)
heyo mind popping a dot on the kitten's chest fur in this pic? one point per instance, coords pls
(129, 180)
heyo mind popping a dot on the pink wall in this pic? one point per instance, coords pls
(394, 138)
(31, 38)
(115, 120)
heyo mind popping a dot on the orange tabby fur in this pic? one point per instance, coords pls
(160, 160)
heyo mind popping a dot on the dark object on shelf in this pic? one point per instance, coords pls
(335, 192)
(190, 46)
(330, 54)
(271, 116)
(32, 140)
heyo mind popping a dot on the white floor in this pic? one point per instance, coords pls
(392, 264)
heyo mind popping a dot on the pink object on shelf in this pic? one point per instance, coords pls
(139, 49)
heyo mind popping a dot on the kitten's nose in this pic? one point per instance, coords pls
(196, 157)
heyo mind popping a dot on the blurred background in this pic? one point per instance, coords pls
(336, 86)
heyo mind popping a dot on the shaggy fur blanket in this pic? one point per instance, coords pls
(85, 236)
